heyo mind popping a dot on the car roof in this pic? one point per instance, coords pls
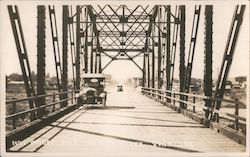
(93, 76)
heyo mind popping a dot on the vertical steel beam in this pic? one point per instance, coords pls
(72, 46)
(159, 55)
(41, 57)
(227, 58)
(78, 46)
(153, 58)
(168, 45)
(151, 83)
(91, 52)
(65, 14)
(182, 52)
(174, 45)
(153, 66)
(22, 54)
(144, 70)
(148, 66)
(86, 42)
(57, 55)
(100, 62)
(208, 70)
(96, 60)
(192, 45)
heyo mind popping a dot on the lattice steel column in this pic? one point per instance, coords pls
(168, 45)
(144, 70)
(22, 54)
(78, 47)
(55, 42)
(86, 61)
(148, 66)
(153, 58)
(191, 51)
(208, 70)
(227, 59)
(182, 52)
(168, 51)
(65, 53)
(174, 45)
(91, 44)
(41, 57)
(96, 60)
(159, 55)
(100, 63)
(72, 45)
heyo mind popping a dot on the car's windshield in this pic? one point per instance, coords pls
(92, 84)
(97, 83)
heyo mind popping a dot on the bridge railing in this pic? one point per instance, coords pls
(195, 101)
(52, 105)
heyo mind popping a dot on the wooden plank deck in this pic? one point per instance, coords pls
(131, 124)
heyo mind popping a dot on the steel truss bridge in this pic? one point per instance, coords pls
(156, 33)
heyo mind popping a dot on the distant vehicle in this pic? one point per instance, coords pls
(236, 86)
(92, 90)
(119, 88)
(228, 87)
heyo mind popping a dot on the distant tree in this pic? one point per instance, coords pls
(15, 77)
(241, 79)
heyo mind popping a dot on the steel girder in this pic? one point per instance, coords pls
(123, 30)
(191, 51)
(227, 60)
(55, 42)
(167, 64)
(41, 45)
(208, 69)
(72, 47)
(22, 54)
(78, 47)
(182, 53)
(65, 18)
(120, 33)
(157, 48)
(174, 46)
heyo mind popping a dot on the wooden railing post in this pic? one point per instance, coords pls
(194, 103)
(72, 100)
(237, 114)
(174, 100)
(14, 118)
(54, 99)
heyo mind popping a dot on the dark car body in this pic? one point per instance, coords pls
(119, 88)
(92, 89)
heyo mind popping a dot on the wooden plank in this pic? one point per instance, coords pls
(131, 123)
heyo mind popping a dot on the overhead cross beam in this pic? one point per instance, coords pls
(121, 31)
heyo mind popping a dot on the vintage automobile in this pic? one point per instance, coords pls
(92, 90)
(119, 88)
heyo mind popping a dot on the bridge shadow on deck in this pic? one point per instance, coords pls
(45, 132)
(81, 112)
(118, 121)
(128, 139)
(144, 118)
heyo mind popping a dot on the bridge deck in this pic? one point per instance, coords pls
(132, 123)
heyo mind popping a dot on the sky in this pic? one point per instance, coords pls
(223, 12)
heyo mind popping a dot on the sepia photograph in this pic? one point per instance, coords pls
(124, 78)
